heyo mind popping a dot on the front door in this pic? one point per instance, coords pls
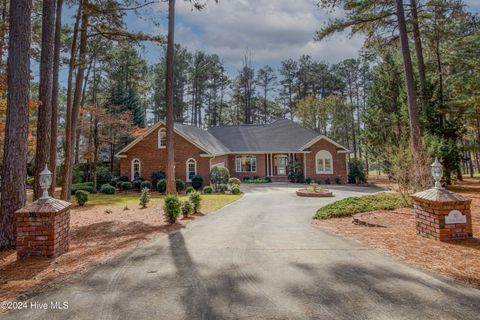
(281, 164)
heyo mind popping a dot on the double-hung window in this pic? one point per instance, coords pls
(246, 163)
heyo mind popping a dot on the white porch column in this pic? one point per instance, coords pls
(305, 165)
(268, 165)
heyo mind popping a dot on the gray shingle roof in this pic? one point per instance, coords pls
(202, 138)
(281, 135)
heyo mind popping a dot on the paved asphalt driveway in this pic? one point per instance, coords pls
(259, 258)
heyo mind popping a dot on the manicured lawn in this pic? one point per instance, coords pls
(210, 202)
(351, 205)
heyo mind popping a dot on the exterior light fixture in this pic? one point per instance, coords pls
(45, 182)
(437, 173)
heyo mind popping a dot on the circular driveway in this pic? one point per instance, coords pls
(259, 258)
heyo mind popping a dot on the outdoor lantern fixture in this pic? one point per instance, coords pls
(437, 173)
(45, 182)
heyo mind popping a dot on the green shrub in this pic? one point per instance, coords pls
(256, 177)
(146, 184)
(308, 180)
(156, 177)
(30, 181)
(207, 189)
(219, 175)
(180, 185)
(189, 189)
(222, 187)
(187, 208)
(235, 190)
(245, 179)
(85, 186)
(267, 179)
(126, 185)
(356, 171)
(136, 185)
(351, 205)
(338, 180)
(197, 182)
(234, 182)
(196, 200)
(258, 181)
(107, 189)
(327, 181)
(171, 208)
(123, 179)
(144, 197)
(114, 182)
(82, 197)
(78, 174)
(162, 185)
(103, 176)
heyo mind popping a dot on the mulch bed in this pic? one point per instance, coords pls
(314, 194)
(96, 236)
(459, 259)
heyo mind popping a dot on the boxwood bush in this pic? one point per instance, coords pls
(222, 187)
(171, 208)
(81, 196)
(126, 185)
(146, 184)
(235, 190)
(197, 182)
(85, 186)
(234, 182)
(207, 189)
(189, 190)
(180, 185)
(187, 208)
(107, 189)
(162, 185)
(156, 177)
(196, 200)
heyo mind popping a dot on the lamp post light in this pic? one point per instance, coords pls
(45, 182)
(437, 173)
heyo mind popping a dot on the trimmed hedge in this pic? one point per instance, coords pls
(162, 185)
(197, 182)
(107, 189)
(82, 197)
(84, 186)
(235, 190)
(172, 208)
(189, 190)
(146, 184)
(179, 184)
(207, 189)
(126, 185)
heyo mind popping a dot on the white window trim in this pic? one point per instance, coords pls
(317, 157)
(220, 164)
(187, 172)
(132, 177)
(159, 139)
(240, 158)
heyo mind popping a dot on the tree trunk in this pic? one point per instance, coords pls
(72, 122)
(171, 188)
(418, 50)
(44, 120)
(14, 169)
(410, 84)
(55, 89)
(65, 194)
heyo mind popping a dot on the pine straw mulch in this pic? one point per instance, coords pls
(96, 237)
(459, 259)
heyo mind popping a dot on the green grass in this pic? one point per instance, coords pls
(210, 202)
(351, 205)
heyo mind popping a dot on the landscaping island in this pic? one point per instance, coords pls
(314, 190)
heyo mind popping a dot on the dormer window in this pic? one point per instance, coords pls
(162, 138)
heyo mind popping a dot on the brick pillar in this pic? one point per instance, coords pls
(442, 215)
(43, 228)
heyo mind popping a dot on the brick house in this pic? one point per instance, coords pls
(245, 150)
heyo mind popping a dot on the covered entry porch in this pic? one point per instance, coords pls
(277, 164)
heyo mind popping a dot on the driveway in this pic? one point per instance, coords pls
(259, 258)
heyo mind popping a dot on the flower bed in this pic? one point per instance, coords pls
(314, 194)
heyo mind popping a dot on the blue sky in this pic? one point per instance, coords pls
(272, 30)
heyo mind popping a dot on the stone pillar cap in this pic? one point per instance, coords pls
(50, 205)
(439, 195)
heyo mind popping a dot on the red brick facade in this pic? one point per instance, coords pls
(153, 159)
(43, 229)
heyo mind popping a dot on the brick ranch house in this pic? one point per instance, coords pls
(245, 150)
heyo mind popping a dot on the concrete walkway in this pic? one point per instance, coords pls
(259, 258)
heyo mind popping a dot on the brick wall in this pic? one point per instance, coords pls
(430, 220)
(154, 159)
(43, 230)
(261, 167)
(339, 162)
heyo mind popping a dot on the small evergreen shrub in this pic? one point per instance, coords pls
(171, 208)
(197, 182)
(103, 176)
(327, 181)
(207, 189)
(235, 190)
(338, 180)
(308, 180)
(123, 179)
(187, 208)
(114, 182)
(107, 189)
(180, 185)
(156, 177)
(189, 189)
(267, 179)
(162, 186)
(146, 184)
(256, 177)
(356, 172)
(222, 187)
(30, 181)
(245, 179)
(144, 197)
(234, 182)
(219, 175)
(81, 196)
(136, 185)
(126, 185)
(196, 200)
